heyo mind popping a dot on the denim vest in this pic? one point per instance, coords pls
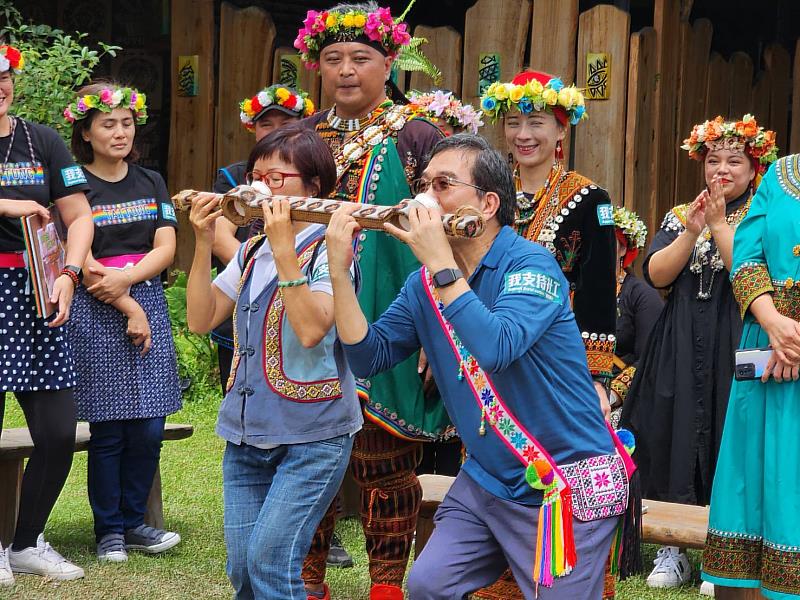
(281, 392)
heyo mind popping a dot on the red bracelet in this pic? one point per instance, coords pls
(72, 276)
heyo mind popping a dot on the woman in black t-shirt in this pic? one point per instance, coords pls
(36, 171)
(125, 355)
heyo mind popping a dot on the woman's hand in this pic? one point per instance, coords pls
(714, 201)
(339, 240)
(695, 214)
(780, 370)
(139, 329)
(278, 226)
(203, 216)
(63, 291)
(22, 208)
(113, 283)
(784, 338)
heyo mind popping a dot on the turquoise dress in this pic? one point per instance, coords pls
(754, 527)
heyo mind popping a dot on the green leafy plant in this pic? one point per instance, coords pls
(197, 354)
(56, 64)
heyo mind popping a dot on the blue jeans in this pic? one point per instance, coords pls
(274, 501)
(123, 458)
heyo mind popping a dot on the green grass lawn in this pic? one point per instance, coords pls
(192, 484)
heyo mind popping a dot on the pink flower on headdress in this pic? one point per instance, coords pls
(300, 42)
(400, 35)
(373, 27)
(82, 105)
(385, 15)
(105, 96)
(68, 115)
(134, 96)
(440, 101)
(319, 23)
(311, 17)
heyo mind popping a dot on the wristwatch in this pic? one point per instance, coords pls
(446, 277)
(77, 270)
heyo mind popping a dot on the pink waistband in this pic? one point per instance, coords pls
(121, 261)
(11, 260)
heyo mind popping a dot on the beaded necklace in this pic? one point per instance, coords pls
(351, 125)
(702, 255)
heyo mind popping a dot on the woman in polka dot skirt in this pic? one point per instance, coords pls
(120, 330)
(36, 170)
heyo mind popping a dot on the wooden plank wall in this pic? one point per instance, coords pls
(444, 48)
(600, 140)
(191, 136)
(779, 65)
(289, 70)
(245, 40)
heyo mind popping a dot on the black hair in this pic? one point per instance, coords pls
(490, 171)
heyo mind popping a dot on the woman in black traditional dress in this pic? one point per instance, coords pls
(677, 403)
(36, 171)
(638, 307)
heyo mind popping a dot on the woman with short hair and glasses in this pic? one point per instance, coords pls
(291, 409)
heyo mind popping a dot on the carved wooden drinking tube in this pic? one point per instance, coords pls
(242, 205)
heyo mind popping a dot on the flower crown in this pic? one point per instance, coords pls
(378, 27)
(11, 58)
(499, 98)
(744, 135)
(107, 100)
(632, 227)
(291, 101)
(443, 105)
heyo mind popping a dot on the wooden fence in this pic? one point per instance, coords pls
(654, 83)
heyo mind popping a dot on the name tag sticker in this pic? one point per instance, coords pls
(72, 176)
(321, 272)
(605, 214)
(533, 283)
(168, 212)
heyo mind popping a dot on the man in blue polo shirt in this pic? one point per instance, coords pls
(493, 316)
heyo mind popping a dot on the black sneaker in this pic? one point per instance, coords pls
(150, 540)
(337, 555)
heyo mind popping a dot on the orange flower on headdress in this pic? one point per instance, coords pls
(714, 129)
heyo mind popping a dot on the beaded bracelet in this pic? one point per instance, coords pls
(73, 276)
(293, 282)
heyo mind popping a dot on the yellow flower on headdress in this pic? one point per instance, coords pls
(247, 105)
(360, 20)
(90, 101)
(21, 64)
(140, 100)
(517, 93)
(500, 92)
(550, 96)
(565, 97)
(490, 91)
(309, 108)
(331, 20)
(282, 94)
(348, 20)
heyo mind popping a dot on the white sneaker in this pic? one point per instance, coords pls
(671, 569)
(43, 560)
(707, 589)
(6, 576)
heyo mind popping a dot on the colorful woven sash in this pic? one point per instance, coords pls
(555, 544)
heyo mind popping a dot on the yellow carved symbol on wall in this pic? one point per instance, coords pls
(598, 76)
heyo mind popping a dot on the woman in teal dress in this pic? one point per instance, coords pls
(754, 527)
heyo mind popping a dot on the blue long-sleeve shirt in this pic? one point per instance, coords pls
(517, 322)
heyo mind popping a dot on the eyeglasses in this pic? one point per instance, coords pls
(273, 179)
(441, 184)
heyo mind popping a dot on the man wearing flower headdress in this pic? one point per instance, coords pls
(679, 397)
(563, 211)
(271, 108)
(379, 147)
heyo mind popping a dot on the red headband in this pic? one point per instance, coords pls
(631, 253)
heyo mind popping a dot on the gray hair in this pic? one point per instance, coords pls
(490, 171)
(367, 7)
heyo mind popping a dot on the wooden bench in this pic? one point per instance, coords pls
(663, 523)
(16, 446)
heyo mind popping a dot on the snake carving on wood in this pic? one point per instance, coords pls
(242, 205)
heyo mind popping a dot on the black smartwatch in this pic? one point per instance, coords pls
(77, 270)
(446, 277)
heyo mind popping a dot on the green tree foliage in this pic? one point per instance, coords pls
(56, 64)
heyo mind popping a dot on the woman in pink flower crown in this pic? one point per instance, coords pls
(125, 355)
